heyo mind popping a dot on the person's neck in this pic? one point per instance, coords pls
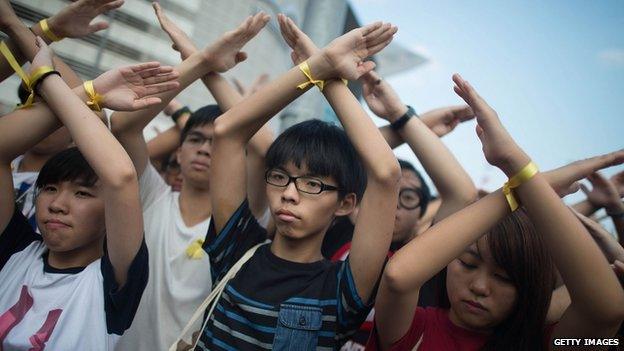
(306, 250)
(195, 204)
(32, 162)
(79, 257)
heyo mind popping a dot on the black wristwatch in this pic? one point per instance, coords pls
(182, 111)
(399, 123)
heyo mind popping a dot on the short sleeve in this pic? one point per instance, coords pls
(240, 233)
(17, 235)
(121, 305)
(151, 186)
(352, 311)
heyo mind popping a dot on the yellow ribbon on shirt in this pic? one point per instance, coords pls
(195, 250)
(526, 173)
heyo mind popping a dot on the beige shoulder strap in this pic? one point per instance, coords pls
(212, 299)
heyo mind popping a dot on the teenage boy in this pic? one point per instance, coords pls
(287, 294)
(176, 222)
(77, 286)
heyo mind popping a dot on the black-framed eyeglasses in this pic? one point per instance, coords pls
(409, 198)
(305, 184)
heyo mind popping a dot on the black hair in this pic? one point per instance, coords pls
(425, 192)
(200, 117)
(325, 150)
(67, 165)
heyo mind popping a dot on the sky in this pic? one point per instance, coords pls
(553, 70)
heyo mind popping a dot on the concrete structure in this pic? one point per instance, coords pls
(134, 36)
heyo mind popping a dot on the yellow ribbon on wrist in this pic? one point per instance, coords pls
(95, 99)
(195, 250)
(47, 31)
(305, 68)
(526, 173)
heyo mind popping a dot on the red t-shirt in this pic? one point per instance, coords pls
(432, 329)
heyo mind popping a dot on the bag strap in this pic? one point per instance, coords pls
(212, 299)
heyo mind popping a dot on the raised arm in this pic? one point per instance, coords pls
(220, 56)
(577, 257)
(454, 186)
(73, 21)
(117, 176)
(605, 194)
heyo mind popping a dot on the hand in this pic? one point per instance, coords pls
(381, 98)
(608, 245)
(302, 46)
(564, 180)
(130, 88)
(345, 55)
(74, 20)
(618, 268)
(499, 148)
(181, 42)
(8, 17)
(225, 53)
(444, 120)
(172, 107)
(604, 194)
(618, 181)
(43, 56)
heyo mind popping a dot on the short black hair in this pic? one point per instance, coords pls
(67, 165)
(325, 150)
(425, 192)
(200, 117)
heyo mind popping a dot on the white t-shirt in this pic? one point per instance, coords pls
(178, 284)
(77, 308)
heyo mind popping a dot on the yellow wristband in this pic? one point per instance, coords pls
(95, 99)
(47, 32)
(526, 173)
(305, 68)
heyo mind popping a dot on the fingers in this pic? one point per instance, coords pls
(98, 26)
(462, 113)
(598, 180)
(240, 56)
(365, 67)
(161, 88)
(370, 28)
(110, 6)
(382, 35)
(143, 66)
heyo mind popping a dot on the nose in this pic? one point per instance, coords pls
(480, 284)
(205, 148)
(59, 203)
(290, 193)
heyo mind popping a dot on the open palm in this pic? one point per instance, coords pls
(132, 88)
(74, 21)
(226, 52)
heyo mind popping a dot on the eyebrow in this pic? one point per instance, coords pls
(196, 133)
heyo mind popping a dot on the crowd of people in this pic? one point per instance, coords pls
(219, 235)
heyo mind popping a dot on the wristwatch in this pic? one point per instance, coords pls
(399, 123)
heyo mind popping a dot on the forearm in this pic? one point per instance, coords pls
(164, 143)
(372, 148)
(223, 92)
(133, 122)
(576, 256)
(455, 187)
(96, 143)
(585, 208)
(393, 139)
(429, 252)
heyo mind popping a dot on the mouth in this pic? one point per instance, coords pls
(286, 216)
(55, 224)
(474, 306)
(200, 165)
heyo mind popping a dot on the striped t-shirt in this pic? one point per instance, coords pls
(273, 303)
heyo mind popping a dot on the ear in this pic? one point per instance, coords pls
(178, 151)
(346, 205)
